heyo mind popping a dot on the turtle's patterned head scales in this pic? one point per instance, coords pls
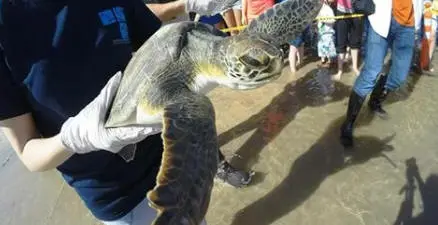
(252, 61)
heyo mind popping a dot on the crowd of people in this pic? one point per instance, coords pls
(340, 31)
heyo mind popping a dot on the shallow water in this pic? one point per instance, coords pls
(287, 132)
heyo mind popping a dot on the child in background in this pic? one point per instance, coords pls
(348, 34)
(429, 36)
(296, 49)
(296, 52)
(326, 35)
(433, 32)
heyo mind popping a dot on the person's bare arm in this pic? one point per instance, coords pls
(81, 134)
(37, 154)
(167, 11)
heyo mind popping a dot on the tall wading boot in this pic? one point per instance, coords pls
(354, 106)
(378, 96)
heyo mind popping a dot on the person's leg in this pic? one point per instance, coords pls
(355, 59)
(329, 61)
(228, 16)
(347, 54)
(321, 46)
(356, 30)
(293, 58)
(402, 48)
(433, 40)
(238, 17)
(341, 27)
(432, 45)
(375, 53)
(237, 14)
(237, 11)
(296, 52)
(300, 54)
(126, 220)
(142, 214)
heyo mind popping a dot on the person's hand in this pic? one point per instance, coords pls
(208, 7)
(85, 132)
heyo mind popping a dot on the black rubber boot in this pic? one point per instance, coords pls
(354, 105)
(378, 96)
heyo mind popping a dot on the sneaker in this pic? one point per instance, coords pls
(232, 176)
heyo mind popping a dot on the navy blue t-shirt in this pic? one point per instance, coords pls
(55, 57)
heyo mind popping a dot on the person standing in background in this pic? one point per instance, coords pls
(348, 34)
(391, 26)
(296, 51)
(326, 36)
(233, 17)
(251, 9)
(430, 26)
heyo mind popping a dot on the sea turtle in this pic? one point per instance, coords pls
(165, 83)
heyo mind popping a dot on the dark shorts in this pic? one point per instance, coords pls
(300, 39)
(215, 19)
(348, 32)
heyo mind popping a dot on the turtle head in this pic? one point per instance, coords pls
(252, 61)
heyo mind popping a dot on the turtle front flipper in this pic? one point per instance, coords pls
(286, 20)
(189, 164)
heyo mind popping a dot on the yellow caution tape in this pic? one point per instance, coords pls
(239, 28)
(339, 17)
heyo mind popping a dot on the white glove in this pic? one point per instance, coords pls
(208, 7)
(85, 132)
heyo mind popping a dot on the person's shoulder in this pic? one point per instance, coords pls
(29, 5)
(27, 9)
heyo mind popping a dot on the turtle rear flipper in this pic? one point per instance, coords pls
(189, 162)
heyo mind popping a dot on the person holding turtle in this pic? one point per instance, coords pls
(58, 74)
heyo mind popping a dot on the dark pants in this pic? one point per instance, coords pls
(348, 32)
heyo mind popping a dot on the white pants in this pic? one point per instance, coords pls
(142, 214)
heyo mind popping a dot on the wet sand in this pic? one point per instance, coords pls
(288, 133)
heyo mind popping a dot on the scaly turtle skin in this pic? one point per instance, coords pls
(164, 86)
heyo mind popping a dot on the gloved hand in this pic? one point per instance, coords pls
(85, 132)
(208, 7)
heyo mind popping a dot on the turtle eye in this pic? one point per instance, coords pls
(250, 61)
